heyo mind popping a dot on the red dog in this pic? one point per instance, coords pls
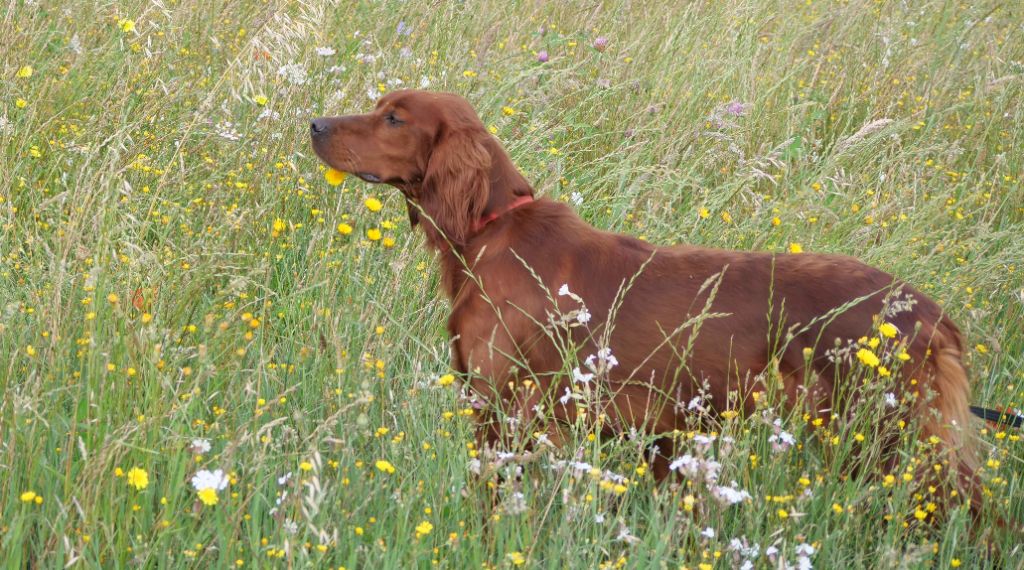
(679, 322)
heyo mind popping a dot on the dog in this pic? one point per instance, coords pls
(532, 287)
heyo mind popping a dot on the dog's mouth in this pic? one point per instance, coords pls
(367, 176)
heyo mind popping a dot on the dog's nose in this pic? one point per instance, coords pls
(317, 126)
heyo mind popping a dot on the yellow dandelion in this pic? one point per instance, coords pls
(208, 496)
(138, 478)
(25, 72)
(260, 100)
(384, 466)
(516, 558)
(373, 234)
(867, 357)
(704, 213)
(446, 380)
(28, 496)
(306, 466)
(423, 529)
(334, 177)
(344, 229)
(126, 25)
(373, 204)
(888, 330)
(20, 103)
(795, 248)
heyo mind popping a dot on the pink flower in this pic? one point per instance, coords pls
(601, 43)
(542, 56)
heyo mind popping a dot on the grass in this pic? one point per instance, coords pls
(171, 269)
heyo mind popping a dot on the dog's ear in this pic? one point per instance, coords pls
(456, 186)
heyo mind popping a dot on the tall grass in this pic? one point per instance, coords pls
(171, 270)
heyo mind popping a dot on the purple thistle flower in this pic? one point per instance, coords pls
(601, 43)
(542, 56)
(737, 109)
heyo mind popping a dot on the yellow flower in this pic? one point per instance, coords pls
(20, 103)
(920, 514)
(28, 496)
(260, 100)
(516, 558)
(30, 350)
(388, 242)
(783, 513)
(113, 298)
(423, 529)
(446, 380)
(384, 466)
(508, 111)
(126, 25)
(138, 478)
(373, 234)
(727, 217)
(795, 248)
(888, 330)
(704, 213)
(884, 372)
(955, 563)
(147, 318)
(981, 348)
(306, 466)
(25, 72)
(279, 225)
(867, 357)
(903, 356)
(344, 229)
(373, 204)
(334, 177)
(208, 496)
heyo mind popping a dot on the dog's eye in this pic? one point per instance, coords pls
(392, 120)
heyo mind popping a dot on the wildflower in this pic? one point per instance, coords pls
(200, 445)
(384, 466)
(30, 350)
(516, 558)
(138, 478)
(737, 108)
(335, 177)
(423, 529)
(279, 225)
(542, 56)
(795, 248)
(20, 103)
(601, 43)
(446, 380)
(981, 348)
(867, 357)
(113, 298)
(888, 330)
(884, 372)
(28, 496)
(727, 217)
(306, 466)
(25, 72)
(890, 400)
(344, 229)
(325, 51)
(373, 234)
(373, 204)
(207, 483)
(126, 25)
(260, 100)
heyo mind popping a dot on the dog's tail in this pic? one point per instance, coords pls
(947, 416)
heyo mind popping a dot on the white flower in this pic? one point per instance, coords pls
(804, 549)
(563, 290)
(695, 404)
(580, 376)
(730, 495)
(293, 73)
(568, 396)
(708, 532)
(626, 536)
(747, 565)
(583, 316)
(325, 51)
(890, 400)
(283, 480)
(200, 445)
(576, 198)
(599, 518)
(505, 455)
(205, 479)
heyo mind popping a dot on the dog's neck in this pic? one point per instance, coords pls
(507, 183)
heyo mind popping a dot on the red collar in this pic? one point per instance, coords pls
(484, 220)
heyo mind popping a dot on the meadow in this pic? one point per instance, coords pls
(214, 355)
